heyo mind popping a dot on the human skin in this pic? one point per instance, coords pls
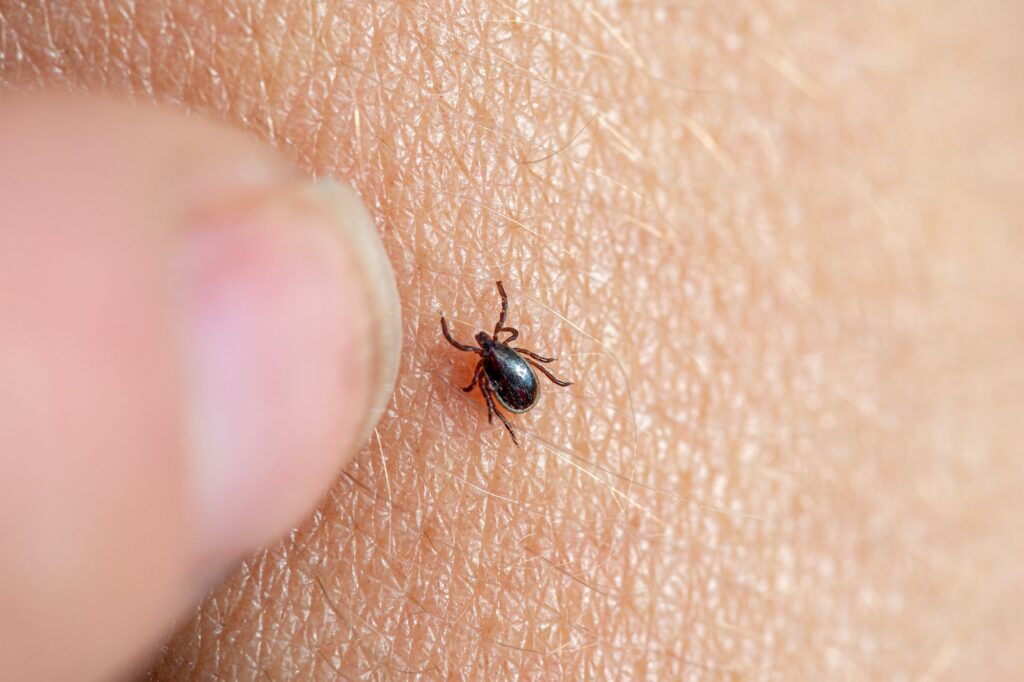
(775, 247)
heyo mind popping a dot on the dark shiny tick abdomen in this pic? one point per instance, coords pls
(510, 377)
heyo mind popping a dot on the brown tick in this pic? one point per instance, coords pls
(503, 372)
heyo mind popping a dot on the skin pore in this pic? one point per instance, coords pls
(774, 246)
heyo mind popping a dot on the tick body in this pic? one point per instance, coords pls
(505, 374)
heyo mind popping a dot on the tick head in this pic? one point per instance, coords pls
(484, 340)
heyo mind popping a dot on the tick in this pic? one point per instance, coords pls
(505, 373)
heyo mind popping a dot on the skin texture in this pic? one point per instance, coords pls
(775, 245)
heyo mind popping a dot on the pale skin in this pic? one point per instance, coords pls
(775, 247)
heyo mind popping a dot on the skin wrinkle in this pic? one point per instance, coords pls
(801, 507)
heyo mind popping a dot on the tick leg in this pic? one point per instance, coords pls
(513, 337)
(538, 358)
(548, 374)
(485, 390)
(493, 409)
(504, 308)
(460, 346)
(476, 375)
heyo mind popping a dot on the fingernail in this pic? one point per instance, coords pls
(292, 342)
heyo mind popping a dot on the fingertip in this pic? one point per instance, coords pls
(195, 339)
(292, 332)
